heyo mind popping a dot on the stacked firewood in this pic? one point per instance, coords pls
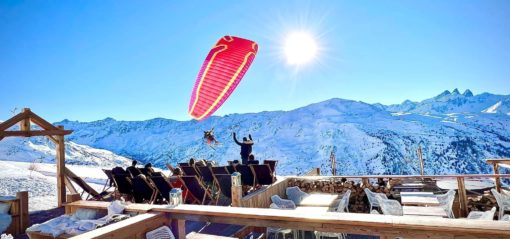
(358, 202)
(483, 202)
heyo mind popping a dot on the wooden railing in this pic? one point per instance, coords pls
(352, 223)
(262, 197)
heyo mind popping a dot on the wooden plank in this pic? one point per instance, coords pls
(262, 197)
(424, 211)
(498, 181)
(134, 227)
(337, 222)
(237, 194)
(70, 186)
(130, 207)
(319, 200)
(41, 122)
(179, 228)
(419, 198)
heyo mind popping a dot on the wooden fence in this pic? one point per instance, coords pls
(19, 213)
(262, 197)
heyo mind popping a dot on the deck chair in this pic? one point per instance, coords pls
(118, 170)
(231, 169)
(162, 185)
(123, 185)
(160, 174)
(197, 190)
(253, 162)
(133, 171)
(225, 184)
(145, 172)
(247, 176)
(272, 165)
(189, 171)
(184, 164)
(143, 191)
(206, 175)
(219, 170)
(109, 181)
(263, 174)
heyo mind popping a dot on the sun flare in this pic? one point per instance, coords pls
(300, 48)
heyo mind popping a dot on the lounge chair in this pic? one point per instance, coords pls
(162, 185)
(123, 185)
(283, 203)
(184, 164)
(503, 202)
(220, 170)
(145, 171)
(231, 169)
(295, 194)
(263, 174)
(247, 176)
(189, 171)
(253, 162)
(160, 174)
(488, 215)
(225, 184)
(197, 190)
(118, 171)
(206, 175)
(372, 198)
(109, 181)
(446, 201)
(272, 165)
(143, 191)
(133, 171)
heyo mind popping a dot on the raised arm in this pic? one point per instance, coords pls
(235, 139)
(249, 136)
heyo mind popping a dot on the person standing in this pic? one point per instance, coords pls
(246, 147)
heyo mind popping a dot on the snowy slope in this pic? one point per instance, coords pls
(368, 139)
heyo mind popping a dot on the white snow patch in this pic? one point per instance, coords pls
(493, 109)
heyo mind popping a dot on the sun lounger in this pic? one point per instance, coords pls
(263, 174)
(272, 165)
(183, 164)
(206, 175)
(219, 170)
(133, 171)
(225, 184)
(162, 185)
(197, 190)
(189, 171)
(247, 177)
(118, 170)
(109, 182)
(231, 169)
(143, 192)
(123, 185)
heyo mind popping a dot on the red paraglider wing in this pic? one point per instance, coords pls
(223, 69)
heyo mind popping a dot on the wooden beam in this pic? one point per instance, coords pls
(61, 155)
(52, 139)
(70, 187)
(497, 180)
(462, 197)
(35, 133)
(12, 121)
(41, 122)
(179, 228)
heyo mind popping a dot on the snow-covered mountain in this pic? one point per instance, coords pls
(41, 150)
(456, 131)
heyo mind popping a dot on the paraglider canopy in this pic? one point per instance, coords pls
(221, 72)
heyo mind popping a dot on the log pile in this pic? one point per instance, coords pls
(358, 201)
(483, 202)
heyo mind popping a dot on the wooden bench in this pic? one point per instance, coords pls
(18, 212)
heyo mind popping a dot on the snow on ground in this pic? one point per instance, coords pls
(40, 181)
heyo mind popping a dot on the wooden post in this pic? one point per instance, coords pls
(179, 228)
(420, 157)
(23, 210)
(25, 123)
(237, 190)
(463, 202)
(332, 158)
(495, 165)
(61, 154)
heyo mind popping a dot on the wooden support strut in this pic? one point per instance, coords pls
(497, 180)
(462, 197)
(61, 188)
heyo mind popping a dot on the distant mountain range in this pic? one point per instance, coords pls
(456, 131)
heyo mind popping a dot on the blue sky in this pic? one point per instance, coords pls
(87, 60)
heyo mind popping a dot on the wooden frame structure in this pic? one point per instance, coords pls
(54, 133)
(495, 164)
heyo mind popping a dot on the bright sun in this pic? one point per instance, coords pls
(300, 48)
